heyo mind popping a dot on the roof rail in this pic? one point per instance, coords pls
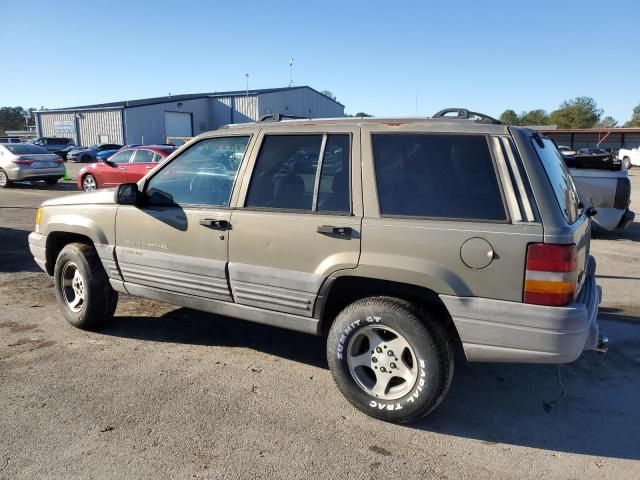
(464, 114)
(276, 117)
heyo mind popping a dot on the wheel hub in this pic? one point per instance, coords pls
(73, 288)
(382, 362)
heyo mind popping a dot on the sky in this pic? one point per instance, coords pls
(385, 58)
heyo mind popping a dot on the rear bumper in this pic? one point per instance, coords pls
(38, 248)
(20, 174)
(499, 331)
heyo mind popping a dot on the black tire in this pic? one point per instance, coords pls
(100, 300)
(4, 179)
(627, 162)
(51, 181)
(427, 340)
(86, 159)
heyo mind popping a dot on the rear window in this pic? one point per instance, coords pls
(561, 181)
(437, 176)
(25, 149)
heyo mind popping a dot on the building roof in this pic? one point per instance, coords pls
(180, 98)
(591, 131)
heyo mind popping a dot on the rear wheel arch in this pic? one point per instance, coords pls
(338, 293)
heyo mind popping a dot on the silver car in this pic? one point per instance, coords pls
(26, 162)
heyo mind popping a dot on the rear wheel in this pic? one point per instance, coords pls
(4, 179)
(627, 162)
(82, 287)
(390, 358)
(89, 183)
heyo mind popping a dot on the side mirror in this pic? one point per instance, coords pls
(128, 194)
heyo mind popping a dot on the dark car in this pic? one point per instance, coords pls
(89, 154)
(54, 144)
(126, 166)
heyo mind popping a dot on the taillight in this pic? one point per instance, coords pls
(58, 161)
(22, 162)
(551, 274)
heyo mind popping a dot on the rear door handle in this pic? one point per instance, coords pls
(214, 223)
(333, 230)
(148, 167)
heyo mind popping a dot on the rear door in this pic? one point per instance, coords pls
(141, 163)
(298, 217)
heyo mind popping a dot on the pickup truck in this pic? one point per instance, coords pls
(608, 191)
(630, 157)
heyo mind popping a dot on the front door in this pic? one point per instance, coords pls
(177, 241)
(298, 220)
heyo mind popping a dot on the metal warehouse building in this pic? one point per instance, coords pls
(613, 138)
(152, 120)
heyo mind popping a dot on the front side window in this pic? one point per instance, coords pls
(286, 173)
(203, 174)
(437, 176)
(121, 157)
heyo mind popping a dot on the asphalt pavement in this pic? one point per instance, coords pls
(168, 392)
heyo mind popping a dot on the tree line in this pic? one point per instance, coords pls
(581, 112)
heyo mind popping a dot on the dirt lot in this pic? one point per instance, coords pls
(166, 392)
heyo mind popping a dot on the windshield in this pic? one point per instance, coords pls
(25, 149)
(560, 178)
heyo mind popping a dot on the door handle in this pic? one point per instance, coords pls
(148, 167)
(123, 169)
(333, 230)
(213, 223)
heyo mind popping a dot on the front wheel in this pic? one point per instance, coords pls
(89, 183)
(390, 358)
(82, 287)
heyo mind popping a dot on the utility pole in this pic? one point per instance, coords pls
(247, 78)
(291, 84)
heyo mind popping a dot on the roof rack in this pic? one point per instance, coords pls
(276, 117)
(464, 114)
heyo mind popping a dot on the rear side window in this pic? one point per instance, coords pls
(560, 178)
(437, 176)
(288, 175)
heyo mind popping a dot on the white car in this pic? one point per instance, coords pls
(630, 157)
(566, 151)
(26, 162)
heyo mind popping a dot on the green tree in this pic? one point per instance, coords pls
(635, 118)
(581, 112)
(607, 122)
(12, 118)
(362, 114)
(534, 117)
(509, 117)
(328, 93)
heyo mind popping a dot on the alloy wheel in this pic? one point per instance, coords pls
(73, 287)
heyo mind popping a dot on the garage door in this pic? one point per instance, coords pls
(177, 124)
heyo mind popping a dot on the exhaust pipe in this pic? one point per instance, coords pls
(603, 344)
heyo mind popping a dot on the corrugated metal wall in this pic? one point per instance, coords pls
(48, 121)
(106, 123)
(302, 102)
(245, 109)
(146, 124)
(614, 141)
(221, 111)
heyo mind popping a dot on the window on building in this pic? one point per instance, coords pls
(437, 175)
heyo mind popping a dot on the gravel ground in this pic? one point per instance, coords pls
(167, 392)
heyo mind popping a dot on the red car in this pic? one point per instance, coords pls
(128, 165)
